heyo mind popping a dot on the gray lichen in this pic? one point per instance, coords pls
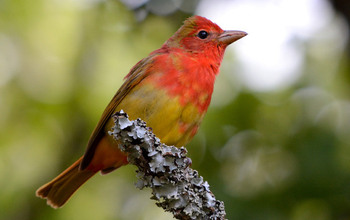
(166, 170)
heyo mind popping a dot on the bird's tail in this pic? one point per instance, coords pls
(60, 189)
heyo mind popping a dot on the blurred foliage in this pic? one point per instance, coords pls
(275, 155)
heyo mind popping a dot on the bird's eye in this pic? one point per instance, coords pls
(203, 34)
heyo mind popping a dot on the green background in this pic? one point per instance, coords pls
(282, 154)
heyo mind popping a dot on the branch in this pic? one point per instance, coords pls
(165, 169)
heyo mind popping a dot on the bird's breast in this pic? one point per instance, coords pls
(189, 78)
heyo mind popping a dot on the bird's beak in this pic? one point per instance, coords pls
(228, 37)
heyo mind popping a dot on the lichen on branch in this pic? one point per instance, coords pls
(166, 170)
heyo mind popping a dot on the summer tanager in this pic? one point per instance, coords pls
(170, 89)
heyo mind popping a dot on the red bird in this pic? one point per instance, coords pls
(170, 89)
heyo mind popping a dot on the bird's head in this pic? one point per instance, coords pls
(199, 35)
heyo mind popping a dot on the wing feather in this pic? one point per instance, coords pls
(136, 74)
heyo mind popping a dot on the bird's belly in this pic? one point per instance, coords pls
(173, 122)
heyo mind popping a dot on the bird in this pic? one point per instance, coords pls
(170, 90)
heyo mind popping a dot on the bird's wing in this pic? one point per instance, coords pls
(136, 74)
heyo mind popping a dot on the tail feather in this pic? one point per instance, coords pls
(60, 189)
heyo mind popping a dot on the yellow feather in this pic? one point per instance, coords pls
(163, 114)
